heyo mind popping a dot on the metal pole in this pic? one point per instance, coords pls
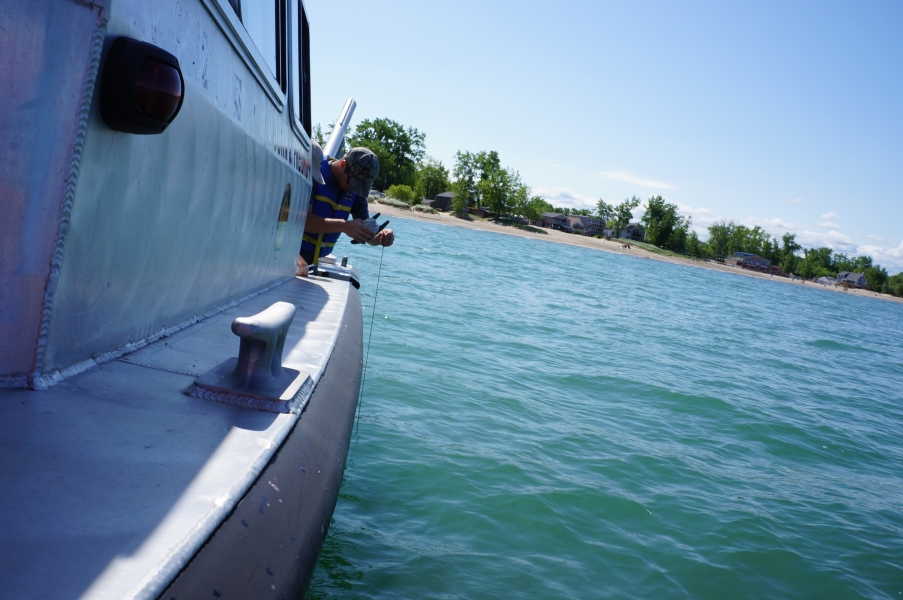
(334, 144)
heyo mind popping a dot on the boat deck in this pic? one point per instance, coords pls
(114, 478)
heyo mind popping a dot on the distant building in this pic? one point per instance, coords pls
(556, 221)
(576, 225)
(591, 225)
(748, 260)
(442, 201)
(633, 231)
(848, 279)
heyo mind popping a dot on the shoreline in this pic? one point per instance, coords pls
(560, 237)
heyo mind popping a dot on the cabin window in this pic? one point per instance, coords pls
(236, 6)
(281, 44)
(301, 67)
(265, 22)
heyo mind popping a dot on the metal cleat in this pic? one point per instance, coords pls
(257, 378)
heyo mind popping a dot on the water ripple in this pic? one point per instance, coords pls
(547, 421)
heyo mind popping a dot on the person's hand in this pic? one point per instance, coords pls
(302, 267)
(384, 238)
(356, 230)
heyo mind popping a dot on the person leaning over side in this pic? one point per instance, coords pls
(340, 191)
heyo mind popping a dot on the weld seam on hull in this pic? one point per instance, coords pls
(14, 382)
(66, 210)
(44, 381)
(140, 364)
(295, 405)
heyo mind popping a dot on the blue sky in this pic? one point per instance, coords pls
(785, 115)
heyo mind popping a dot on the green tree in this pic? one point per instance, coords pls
(604, 211)
(461, 197)
(696, 247)
(893, 285)
(771, 250)
(535, 207)
(665, 227)
(317, 135)
(399, 149)
(789, 248)
(623, 214)
(725, 238)
(487, 163)
(471, 171)
(719, 234)
(466, 176)
(875, 276)
(854, 264)
(432, 179)
(401, 192)
(519, 200)
(817, 262)
(495, 189)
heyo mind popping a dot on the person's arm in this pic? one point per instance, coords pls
(361, 210)
(354, 229)
(384, 238)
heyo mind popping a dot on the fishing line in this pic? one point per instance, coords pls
(360, 397)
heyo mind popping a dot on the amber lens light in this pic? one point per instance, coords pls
(158, 90)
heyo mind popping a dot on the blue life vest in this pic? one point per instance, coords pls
(330, 202)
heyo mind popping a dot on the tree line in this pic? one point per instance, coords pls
(668, 229)
(480, 180)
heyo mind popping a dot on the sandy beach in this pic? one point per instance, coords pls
(560, 237)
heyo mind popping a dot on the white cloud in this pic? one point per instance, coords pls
(889, 257)
(562, 196)
(794, 201)
(832, 239)
(828, 225)
(875, 237)
(770, 225)
(702, 218)
(829, 217)
(634, 179)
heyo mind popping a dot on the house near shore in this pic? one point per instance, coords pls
(826, 281)
(633, 231)
(853, 280)
(747, 260)
(591, 225)
(753, 262)
(576, 225)
(442, 201)
(558, 221)
(580, 224)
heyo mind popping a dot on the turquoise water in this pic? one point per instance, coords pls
(545, 421)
